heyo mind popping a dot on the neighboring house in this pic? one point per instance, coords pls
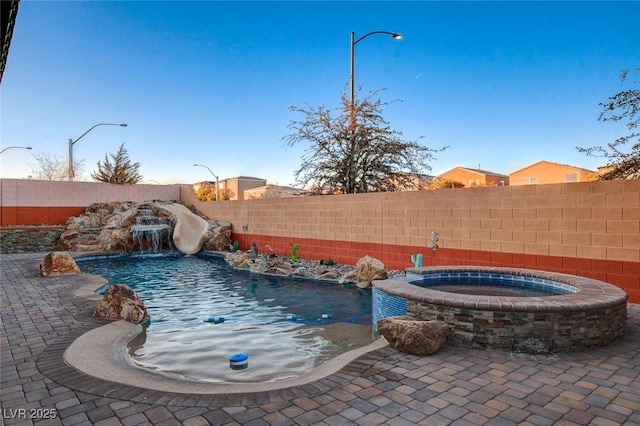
(550, 172)
(475, 177)
(233, 187)
(237, 185)
(273, 191)
(196, 186)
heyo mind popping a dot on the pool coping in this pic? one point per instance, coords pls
(592, 294)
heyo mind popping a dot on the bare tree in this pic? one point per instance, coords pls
(121, 171)
(623, 162)
(51, 167)
(353, 149)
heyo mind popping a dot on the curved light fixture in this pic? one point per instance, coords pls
(71, 172)
(214, 175)
(9, 147)
(395, 36)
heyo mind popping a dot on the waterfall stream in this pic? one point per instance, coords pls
(152, 232)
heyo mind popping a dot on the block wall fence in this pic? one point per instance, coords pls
(44, 202)
(590, 229)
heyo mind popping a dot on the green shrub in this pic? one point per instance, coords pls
(293, 250)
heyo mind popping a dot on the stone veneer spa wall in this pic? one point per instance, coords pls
(595, 315)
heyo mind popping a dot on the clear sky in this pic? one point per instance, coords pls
(503, 84)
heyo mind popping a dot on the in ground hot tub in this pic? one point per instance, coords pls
(519, 310)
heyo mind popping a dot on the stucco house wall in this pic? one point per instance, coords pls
(475, 177)
(238, 185)
(544, 172)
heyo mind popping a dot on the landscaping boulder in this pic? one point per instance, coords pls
(301, 271)
(217, 237)
(120, 302)
(328, 275)
(279, 267)
(68, 240)
(238, 258)
(368, 269)
(413, 336)
(58, 263)
(349, 277)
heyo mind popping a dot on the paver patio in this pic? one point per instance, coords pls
(42, 316)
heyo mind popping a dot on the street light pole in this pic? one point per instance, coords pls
(72, 142)
(9, 147)
(352, 109)
(215, 176)
(395, 36)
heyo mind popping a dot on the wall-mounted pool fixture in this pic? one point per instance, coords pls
(519, 310)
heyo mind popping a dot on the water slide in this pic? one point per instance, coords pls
(188, 234)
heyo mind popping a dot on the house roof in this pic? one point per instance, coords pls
(245, 178)
(275, 187)
(476, 171)
(555, 164)
(8, 13)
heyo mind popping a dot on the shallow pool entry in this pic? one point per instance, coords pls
(203, 312)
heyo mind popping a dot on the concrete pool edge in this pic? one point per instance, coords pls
(101, 353)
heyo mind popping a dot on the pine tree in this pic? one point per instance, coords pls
(121, 171)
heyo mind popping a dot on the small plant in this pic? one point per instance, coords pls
(236, 245)
(293, 250)
(330, 262)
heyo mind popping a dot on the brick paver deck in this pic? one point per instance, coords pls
(42, 316)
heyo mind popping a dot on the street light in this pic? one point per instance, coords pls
(394, 36)
(72, 142)
(352, 166)
(9, 147)
(214, 175)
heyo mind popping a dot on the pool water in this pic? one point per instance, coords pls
(492, 286)
(287, 326)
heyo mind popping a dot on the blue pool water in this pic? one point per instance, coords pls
(287, 326)
(493, 285)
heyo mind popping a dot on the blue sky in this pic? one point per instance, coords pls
(503, 84)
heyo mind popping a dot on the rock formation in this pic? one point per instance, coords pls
(113, 227)
(413, 336)
(306, 268)
(58, 263)
(120, 302)
(368, 269)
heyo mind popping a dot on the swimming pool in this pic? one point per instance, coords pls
(203, 311)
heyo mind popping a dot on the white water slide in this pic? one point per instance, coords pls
(189, 232)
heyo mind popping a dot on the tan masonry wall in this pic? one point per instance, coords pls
(590, 228)
(26, 202)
